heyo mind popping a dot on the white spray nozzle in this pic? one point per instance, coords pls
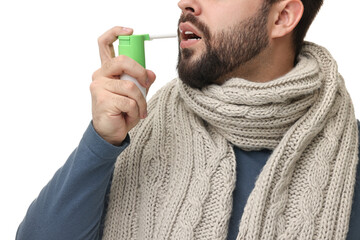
(158, 36)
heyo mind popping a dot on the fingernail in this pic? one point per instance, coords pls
(145, 114)
(147, 82)
(127, 29)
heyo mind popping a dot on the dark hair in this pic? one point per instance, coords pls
(311, 8)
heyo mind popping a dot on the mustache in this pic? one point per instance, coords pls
(196, 22)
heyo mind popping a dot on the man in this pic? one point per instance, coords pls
(257, 139)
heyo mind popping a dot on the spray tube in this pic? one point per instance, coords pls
(133, 46)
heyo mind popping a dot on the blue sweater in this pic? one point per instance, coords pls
(73, 204)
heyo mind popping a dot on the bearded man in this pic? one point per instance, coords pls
(256, 139)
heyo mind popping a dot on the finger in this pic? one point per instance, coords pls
(106, 40)
(130, 90)
(151, 76)
(125, 105)
(123, 64)
(151, 79)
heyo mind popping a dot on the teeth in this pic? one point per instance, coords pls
(189, 37)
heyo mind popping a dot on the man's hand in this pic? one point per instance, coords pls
(117, 105)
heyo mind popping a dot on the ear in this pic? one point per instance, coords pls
(285, 16)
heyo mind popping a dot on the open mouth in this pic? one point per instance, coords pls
(188, 35)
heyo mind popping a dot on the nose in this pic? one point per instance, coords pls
(190, 6)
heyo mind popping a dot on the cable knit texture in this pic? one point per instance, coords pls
(175, 180)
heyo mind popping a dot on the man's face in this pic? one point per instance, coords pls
(214, 43)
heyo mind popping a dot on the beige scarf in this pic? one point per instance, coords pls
(175, 180)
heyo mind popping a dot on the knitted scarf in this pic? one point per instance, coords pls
(176, 179)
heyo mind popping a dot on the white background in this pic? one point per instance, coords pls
(48, 52)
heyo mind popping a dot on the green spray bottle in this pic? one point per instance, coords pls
(133, 46)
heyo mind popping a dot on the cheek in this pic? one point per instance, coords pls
(228, 13)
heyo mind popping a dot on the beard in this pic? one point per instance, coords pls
(225, 51)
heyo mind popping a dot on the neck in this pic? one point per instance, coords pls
(273, 62)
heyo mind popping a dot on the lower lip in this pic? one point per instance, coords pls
(188, 43)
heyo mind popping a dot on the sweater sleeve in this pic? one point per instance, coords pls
(354, 230)
(71, 205)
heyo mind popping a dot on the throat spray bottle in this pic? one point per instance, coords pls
(133, 46)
